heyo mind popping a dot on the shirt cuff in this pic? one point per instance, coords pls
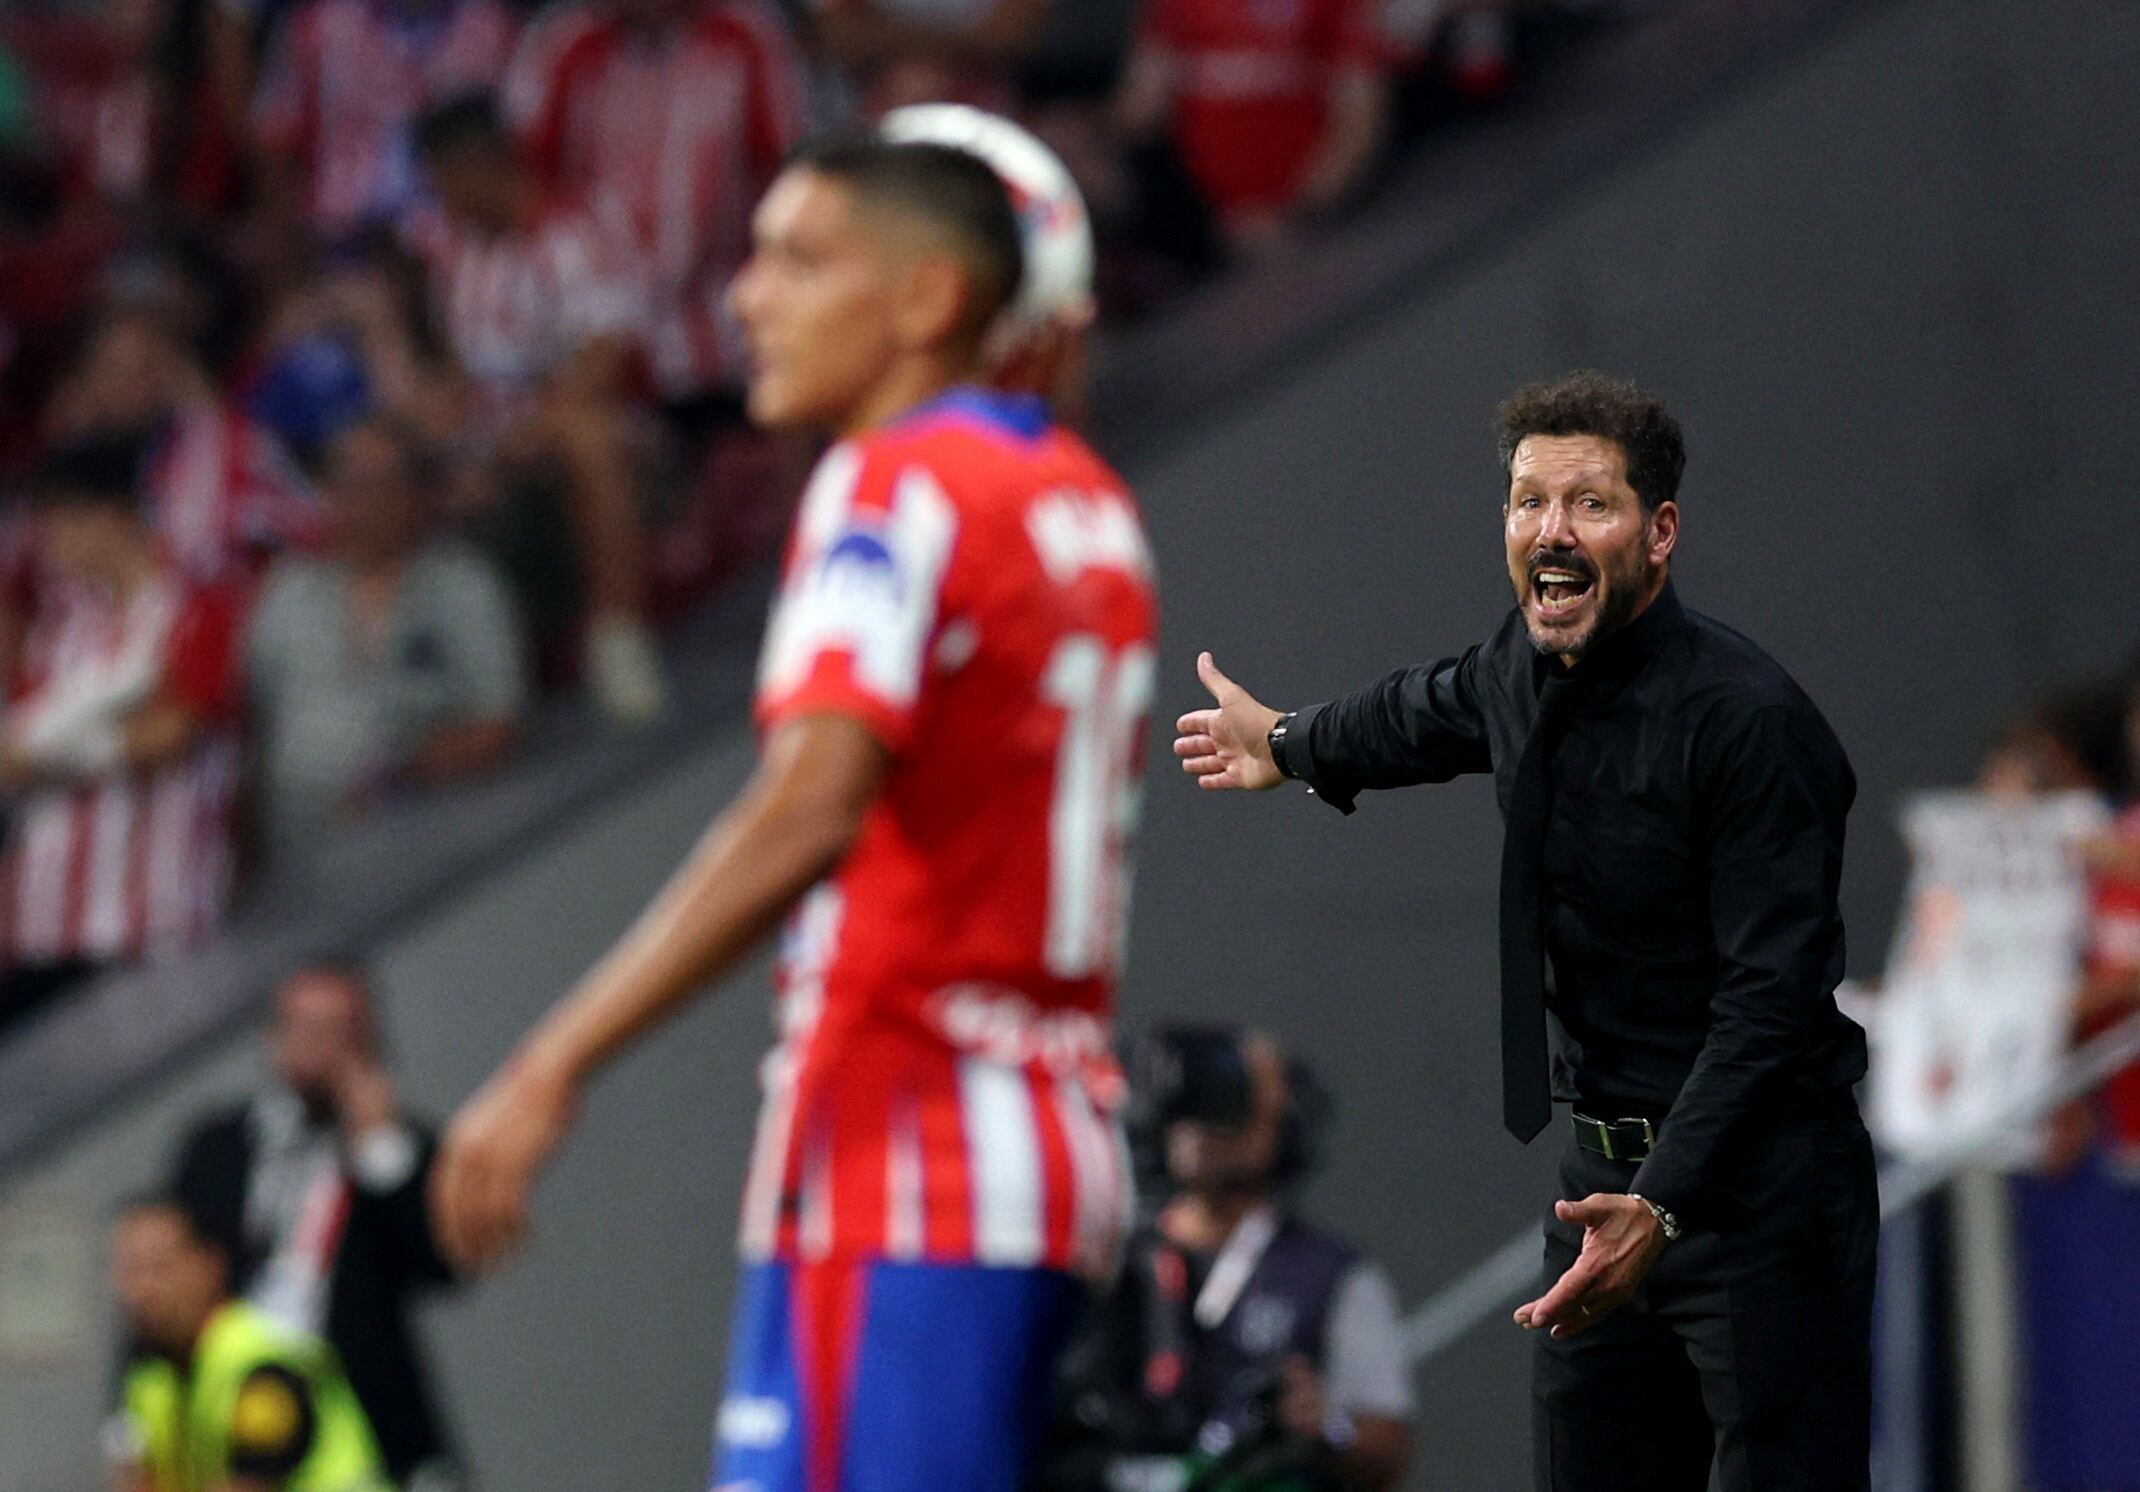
(384, 1159)
(1295, 760)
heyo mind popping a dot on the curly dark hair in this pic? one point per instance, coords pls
(1587, 402)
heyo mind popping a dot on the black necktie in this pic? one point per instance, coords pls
(1526, 1092)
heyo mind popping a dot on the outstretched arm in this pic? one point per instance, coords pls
(1416, 725)
(792, 824)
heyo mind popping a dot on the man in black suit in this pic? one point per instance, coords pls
(317, 1186)
(1671, 940)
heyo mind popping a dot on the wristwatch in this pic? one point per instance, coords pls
(1665, 1220)
(1276, 740)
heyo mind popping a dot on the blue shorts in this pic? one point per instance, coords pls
(864, 1376)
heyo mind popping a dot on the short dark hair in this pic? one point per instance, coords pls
(170, 1199)
(465, 118)
(1587, 402)
(952, 189)
(99, 471)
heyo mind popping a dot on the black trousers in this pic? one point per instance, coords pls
(1747, 1350)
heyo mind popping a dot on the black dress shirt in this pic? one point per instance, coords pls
(1692, 857)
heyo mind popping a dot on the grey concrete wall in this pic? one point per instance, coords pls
(1891, 289)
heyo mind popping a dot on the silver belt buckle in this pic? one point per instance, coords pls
(1605, 1129)
(1649, 1140)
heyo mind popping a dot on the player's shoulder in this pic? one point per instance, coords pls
(981, 444)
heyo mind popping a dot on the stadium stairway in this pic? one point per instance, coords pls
(1807, 227)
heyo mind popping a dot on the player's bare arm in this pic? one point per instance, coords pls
(791, 825)
(1230, 746)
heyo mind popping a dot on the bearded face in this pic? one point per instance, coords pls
(1584, 553)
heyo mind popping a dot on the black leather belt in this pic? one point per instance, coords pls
(1616, 1139)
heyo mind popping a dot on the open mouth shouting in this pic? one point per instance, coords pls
(1561, 587)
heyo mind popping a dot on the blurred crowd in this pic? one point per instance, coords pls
(2083, 739)
(365, 372)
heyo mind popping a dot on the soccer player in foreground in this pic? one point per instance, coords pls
(952, 704)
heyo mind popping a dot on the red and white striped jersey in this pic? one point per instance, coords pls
(974, 586)
(224, 494)
(515, 305)
(1253, 81)
(346, 81)
(670, 136)
(124, 863)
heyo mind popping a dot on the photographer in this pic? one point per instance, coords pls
(1241, 1349)
(315, 1187)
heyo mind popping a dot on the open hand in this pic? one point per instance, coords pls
(1621, 1241)
(1228, 747)
(487, 1165)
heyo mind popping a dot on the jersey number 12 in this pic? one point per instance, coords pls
(1103, 695)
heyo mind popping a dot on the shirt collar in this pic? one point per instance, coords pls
(1022, 415)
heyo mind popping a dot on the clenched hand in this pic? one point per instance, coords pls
(487, 1165)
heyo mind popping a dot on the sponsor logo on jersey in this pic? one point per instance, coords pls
(861, 560)
(754, 1423)
(1004, 1025)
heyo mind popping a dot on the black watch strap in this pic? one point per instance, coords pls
(1278, 739)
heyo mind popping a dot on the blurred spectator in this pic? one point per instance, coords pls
(395, 659)
(2071, 740)
(215, 1394)
(2110, 979)
(666, 120)
(1475, 40)
(343, 86)
(154, 127)
(119, 749)
(128, 137)
(543, 311)
(319, 1181)
(222, 491)
(357, 339)
(1278, 110)
(922, 51)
